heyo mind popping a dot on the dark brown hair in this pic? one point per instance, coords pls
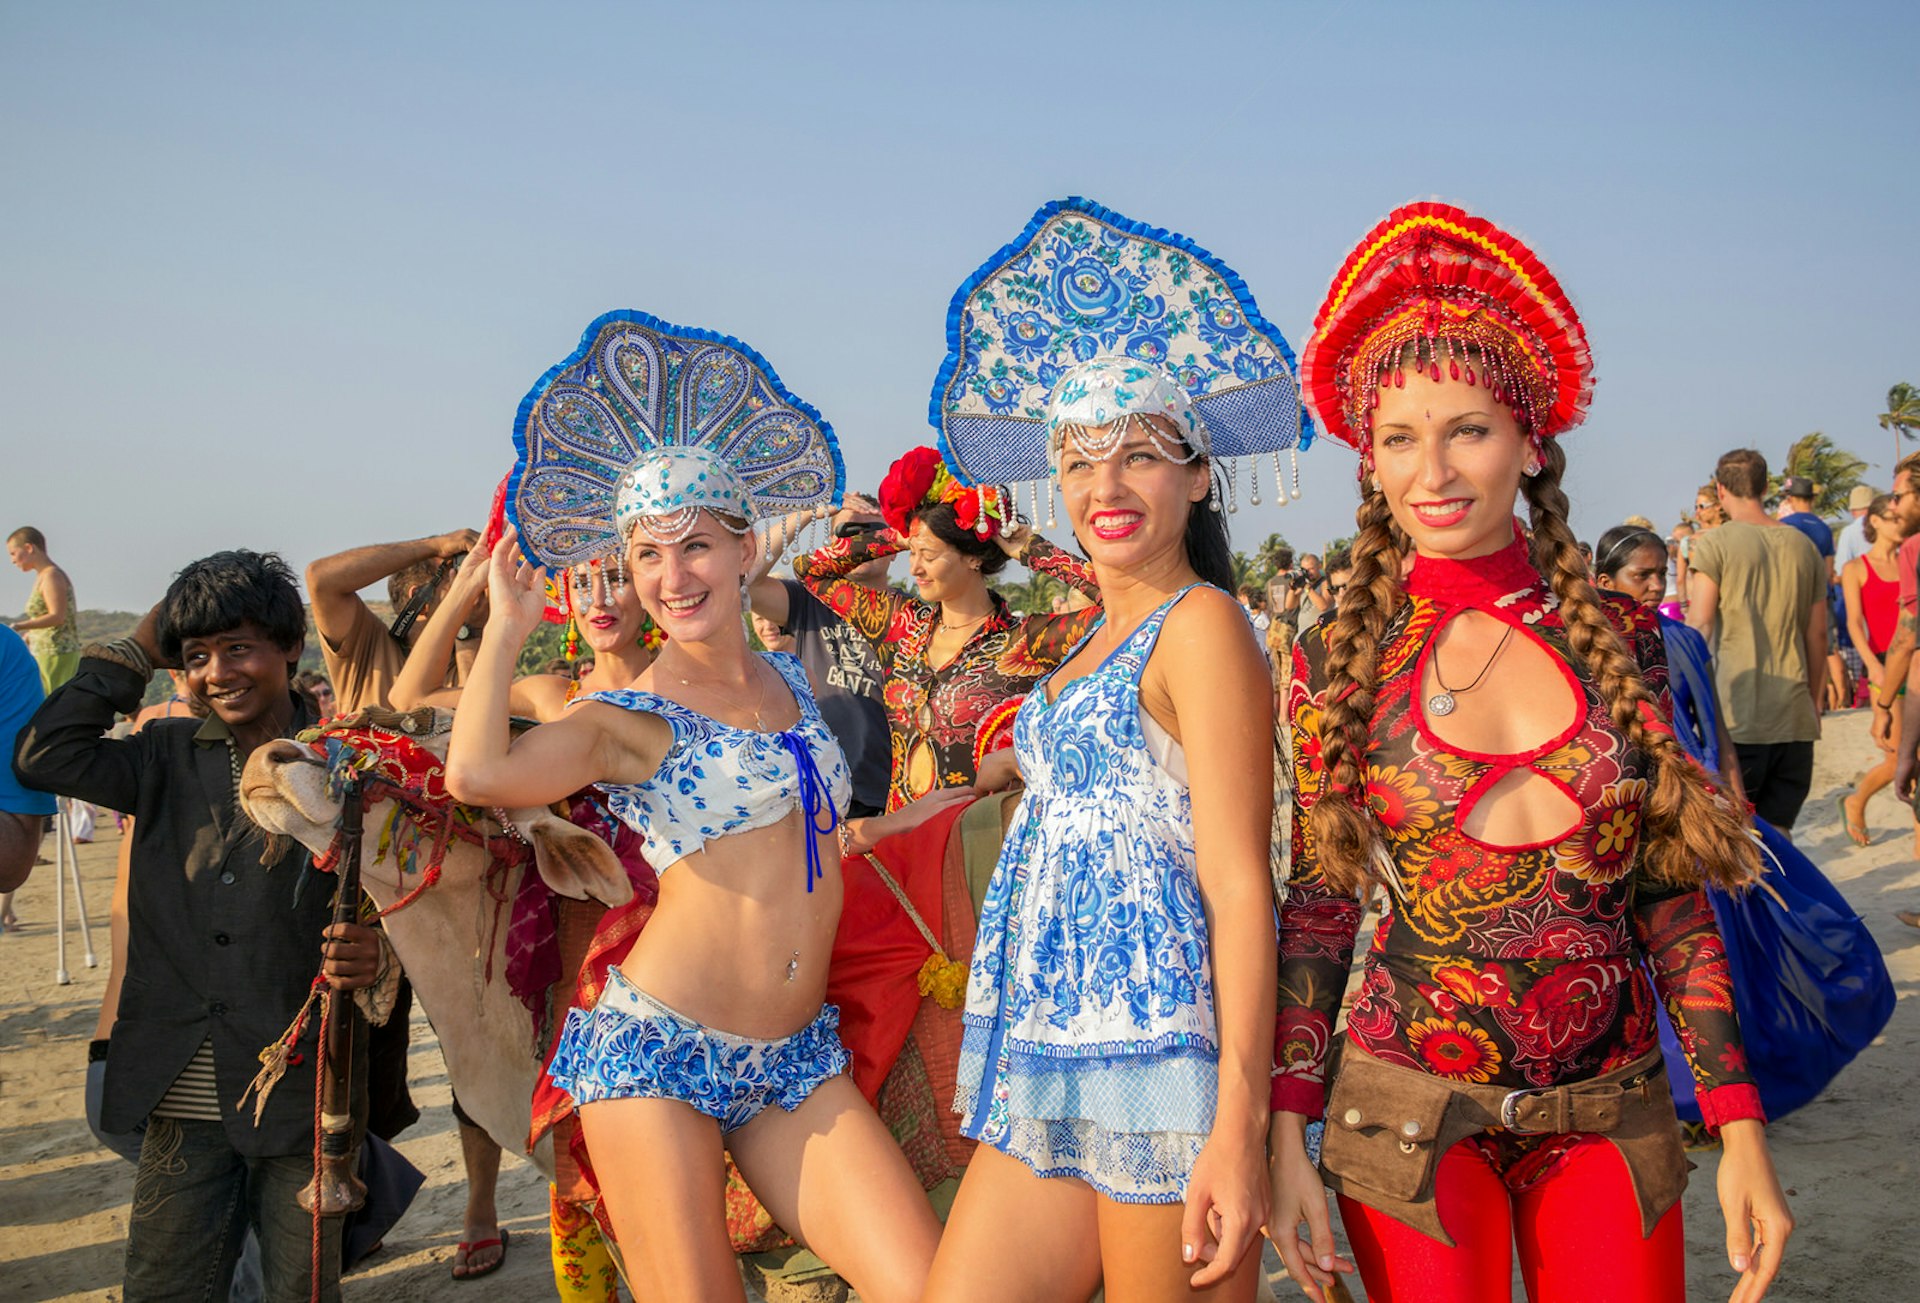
(1743, 473)
(940, 521)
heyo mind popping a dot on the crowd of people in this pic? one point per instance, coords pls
(1554, 772)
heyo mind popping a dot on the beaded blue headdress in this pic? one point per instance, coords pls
(1088, 313)
(650, 422)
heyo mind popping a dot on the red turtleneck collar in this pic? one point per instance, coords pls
(1479, 581)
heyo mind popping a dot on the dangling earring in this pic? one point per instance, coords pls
(1536, 459)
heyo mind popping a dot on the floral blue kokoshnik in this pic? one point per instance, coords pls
(651, 423)
(1088, 317)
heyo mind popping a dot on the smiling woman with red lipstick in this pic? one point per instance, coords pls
(1117, 1049)
(712, 1035)
(1483, 734)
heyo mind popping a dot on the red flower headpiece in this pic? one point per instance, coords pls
(920, 479)
(1433, 273)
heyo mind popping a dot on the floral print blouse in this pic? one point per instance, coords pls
(1522, 965)
(943, 721)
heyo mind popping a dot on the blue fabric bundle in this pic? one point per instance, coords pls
(1808, 981)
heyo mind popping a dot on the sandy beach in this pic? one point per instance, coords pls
(1847, 1159)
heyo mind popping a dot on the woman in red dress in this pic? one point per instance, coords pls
(1481, 733)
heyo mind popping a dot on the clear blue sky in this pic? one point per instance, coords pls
(278, 277)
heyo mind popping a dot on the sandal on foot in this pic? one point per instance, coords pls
(463, 1270)
(1856, 829)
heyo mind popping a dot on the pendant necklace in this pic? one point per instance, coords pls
(1443, 702)
(759, 723)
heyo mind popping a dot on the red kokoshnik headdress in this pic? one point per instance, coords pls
(1432, 272)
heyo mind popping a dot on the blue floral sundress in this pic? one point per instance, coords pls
(1090, 1047)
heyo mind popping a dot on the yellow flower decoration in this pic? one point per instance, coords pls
(1455, 1049)
(1603, 850)
(944, 980)
(1404, 806)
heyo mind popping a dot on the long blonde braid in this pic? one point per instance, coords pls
(1345, 832)
(1691, 833)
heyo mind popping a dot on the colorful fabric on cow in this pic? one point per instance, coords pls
(1475, 299)
(651, 423)
(384, 745)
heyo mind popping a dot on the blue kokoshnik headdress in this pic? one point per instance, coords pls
(648, 422)
(1088, 320)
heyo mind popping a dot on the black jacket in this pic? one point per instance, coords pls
(217, 945)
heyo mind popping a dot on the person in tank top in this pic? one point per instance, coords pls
(1117, 1050)
(712, 1036)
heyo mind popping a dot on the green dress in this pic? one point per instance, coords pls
(56, 650)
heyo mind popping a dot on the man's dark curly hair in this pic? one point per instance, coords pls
(226, 590)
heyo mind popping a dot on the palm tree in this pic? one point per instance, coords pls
(1833, 472)
(1246, 572)
(1902, 415)
(1030, 596)
(1270, 555)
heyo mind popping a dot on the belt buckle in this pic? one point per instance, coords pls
(1510, 1111)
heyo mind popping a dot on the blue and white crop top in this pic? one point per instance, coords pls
(717, 779)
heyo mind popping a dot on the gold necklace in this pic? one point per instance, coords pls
(966, 624)
(759, 722)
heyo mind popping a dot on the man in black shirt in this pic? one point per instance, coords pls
(225, 931)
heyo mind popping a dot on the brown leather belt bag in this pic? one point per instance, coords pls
(1387, 1127)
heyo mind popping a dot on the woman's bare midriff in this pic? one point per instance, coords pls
(729, 920)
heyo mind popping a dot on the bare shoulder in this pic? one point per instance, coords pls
(1205, 614)
(1208, 628)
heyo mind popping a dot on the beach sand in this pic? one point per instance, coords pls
(1848, 1159)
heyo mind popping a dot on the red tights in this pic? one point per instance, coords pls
(1578, 1231)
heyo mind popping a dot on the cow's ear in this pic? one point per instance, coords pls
(577, 864)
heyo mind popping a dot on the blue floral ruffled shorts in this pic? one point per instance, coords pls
(630, 1046)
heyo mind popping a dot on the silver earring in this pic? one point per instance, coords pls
(1536, 459)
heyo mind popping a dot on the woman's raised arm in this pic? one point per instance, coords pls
(595, 743)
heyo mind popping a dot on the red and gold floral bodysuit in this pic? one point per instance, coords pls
(944, 720)
(1517, 965)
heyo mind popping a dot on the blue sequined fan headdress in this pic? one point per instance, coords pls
(1091, 319)
(648, 421)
